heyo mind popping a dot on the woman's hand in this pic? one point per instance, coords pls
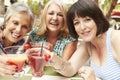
(87, 73)
(45, 52)
(5, 69)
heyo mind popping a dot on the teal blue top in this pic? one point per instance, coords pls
(59, 45)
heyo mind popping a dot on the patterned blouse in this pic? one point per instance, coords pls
(19, 43)
(15, 44)
(59, 45)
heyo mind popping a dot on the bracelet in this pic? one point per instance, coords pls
(62, 67)
(57, 63)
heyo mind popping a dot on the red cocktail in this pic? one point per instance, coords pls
(37, 63)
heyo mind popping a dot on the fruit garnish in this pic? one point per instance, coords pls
(47, 57)
(12, 63)
(26, 46)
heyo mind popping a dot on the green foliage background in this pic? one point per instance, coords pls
(34, 5)
(117, 7)
(103, 4)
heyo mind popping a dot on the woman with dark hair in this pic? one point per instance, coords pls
(13, 1)
(100, 44)
(91, 10)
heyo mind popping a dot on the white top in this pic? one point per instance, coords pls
(111, 70)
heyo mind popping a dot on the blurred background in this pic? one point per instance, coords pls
(110, 8)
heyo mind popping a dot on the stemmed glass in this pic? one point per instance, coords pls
(16, 56)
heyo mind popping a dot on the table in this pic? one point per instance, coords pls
(49, 74)
(49, 77)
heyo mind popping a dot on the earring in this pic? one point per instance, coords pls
(3, 37)
(2, 27)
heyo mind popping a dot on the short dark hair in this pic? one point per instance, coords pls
(88, 8)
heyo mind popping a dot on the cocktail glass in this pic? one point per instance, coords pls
(16, 57)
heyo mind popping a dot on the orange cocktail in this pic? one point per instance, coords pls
(16, 59)
(15, 56)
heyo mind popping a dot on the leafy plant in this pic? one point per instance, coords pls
(117, 7)
(34, 5)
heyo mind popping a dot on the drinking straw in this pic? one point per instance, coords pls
(41, 49)
(3, 49)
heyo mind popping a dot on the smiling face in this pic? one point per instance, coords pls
(17, 27)
(54, 18)
(85, 27)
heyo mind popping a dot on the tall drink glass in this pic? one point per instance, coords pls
(36, 60)
(37, 63)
